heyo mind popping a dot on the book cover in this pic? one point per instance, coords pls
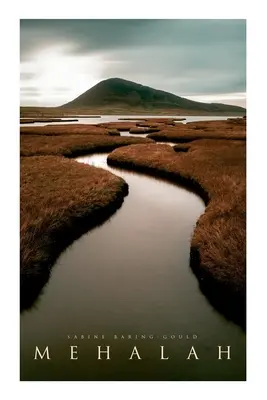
(133, 200)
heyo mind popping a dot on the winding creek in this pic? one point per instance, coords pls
(131, 276)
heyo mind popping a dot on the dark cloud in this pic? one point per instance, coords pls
(181, 56)
(97, 35)
(183, 71)
(86, 36)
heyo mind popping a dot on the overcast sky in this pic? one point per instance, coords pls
(204, 60)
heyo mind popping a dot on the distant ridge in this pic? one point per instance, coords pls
(117, 92)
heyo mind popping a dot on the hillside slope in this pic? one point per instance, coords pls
(130, 95)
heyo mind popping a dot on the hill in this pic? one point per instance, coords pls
(127, 95)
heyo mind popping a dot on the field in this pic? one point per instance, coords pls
(216, 170)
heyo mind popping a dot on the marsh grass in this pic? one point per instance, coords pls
(120, 126)
(71, 146)
(181, 133)
(143, 130)
(60, 200)
(66, 129)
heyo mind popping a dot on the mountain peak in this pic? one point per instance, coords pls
(128, 95)
(116, 79)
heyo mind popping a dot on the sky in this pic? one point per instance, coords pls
(203, 60)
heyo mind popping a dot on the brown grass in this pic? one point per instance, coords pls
(147, 125)
(181, 147)
(215, 169)
(120, 126)
(60, 200)
(229, 130)
(71, 146)
(159, 120)
(238, 124)
(67, 129)
(52, 202)
(143, 130)
(188, 136)
(113, 132)
(138, 130)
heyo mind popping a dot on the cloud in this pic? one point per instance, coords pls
(97, 35)
(185, 57)
(29, 90)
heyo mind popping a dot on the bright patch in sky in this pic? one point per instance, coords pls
(58, 76)
(237, 99)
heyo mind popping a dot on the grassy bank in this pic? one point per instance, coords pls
(232, 129)
(66, 129)
(215, 169)
(60, 200)
(74, 145)
(188, 136)
(120, 126)
(143, 130)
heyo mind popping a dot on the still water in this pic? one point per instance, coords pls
(128, 283)
(116, 118)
